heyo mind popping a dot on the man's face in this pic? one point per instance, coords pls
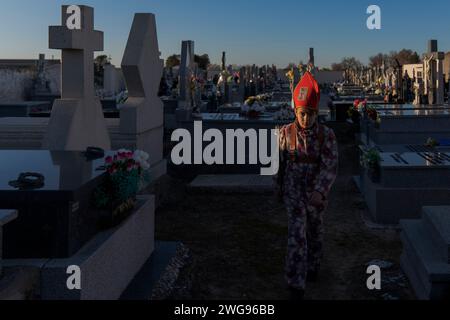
(306, 118)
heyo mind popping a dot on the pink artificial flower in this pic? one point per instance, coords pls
(109, 160)
(364, 102)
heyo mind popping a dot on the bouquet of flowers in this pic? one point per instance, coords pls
(359, 106)
(264, 97)
(127, 172)
(432, 143)
(290, 76)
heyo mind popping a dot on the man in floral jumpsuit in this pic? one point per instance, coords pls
(308, 169)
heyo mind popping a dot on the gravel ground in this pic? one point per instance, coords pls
(237, 243)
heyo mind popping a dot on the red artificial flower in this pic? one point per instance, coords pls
(356, 103)
(109, 160)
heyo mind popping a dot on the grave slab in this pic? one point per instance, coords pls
(414, 126)
(57, 218)
(408, 181)
(428, 271)
(108, 262)
(22, 109)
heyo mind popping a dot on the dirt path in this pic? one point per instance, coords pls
(238, 243)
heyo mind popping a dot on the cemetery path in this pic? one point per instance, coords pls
(238, 242)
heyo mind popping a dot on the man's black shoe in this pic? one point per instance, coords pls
(297, 294)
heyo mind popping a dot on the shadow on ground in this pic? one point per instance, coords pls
(237, 243)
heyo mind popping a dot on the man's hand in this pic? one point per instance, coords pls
(317, 200)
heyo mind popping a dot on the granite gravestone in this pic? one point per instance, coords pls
(77, 120)
(410, 126)
(186, 72)
(426, 253)
(56, 218)
(408, 181)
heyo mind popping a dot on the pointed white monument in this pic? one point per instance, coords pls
(77, 120)
(142, 116)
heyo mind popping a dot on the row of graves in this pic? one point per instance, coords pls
(73, 212)
(405, 181)
(418, 84)
(254, 116)
(30, 87)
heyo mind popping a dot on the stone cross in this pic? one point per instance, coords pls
(77, 120)
(78, 47)
(142, 116)
(434, 74)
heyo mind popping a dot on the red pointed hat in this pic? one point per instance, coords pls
(307, 93)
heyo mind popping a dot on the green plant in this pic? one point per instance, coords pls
(371, 158)
(125, 172)
(432, 143)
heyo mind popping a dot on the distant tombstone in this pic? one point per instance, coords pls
(257, 90)
(77, 120)
(434, 74)
(111, 81)
(186, 72)
(41, 83)
(242, 84)
(224, 61)
(142, 115)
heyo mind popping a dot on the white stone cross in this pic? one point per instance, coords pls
(78, 48)
(77, 120)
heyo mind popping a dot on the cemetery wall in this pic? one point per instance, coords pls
(329, 77)
(16, 83)
(413, 69)
(53, 75)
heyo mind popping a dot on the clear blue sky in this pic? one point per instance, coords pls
(250, 31)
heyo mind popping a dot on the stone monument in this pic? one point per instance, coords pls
(185, 103)
(141, 117)
(434, 74)
(77, 120)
